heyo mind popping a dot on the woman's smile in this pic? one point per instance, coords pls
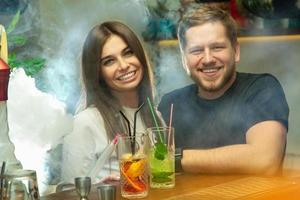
(127, 76)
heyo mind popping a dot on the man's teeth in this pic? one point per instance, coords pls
(209, 70)
(126, 76)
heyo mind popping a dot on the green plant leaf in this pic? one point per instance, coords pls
(13, 23)
(31, 66)
(17, 40)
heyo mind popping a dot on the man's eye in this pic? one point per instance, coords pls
(196, 51)
(218, 48)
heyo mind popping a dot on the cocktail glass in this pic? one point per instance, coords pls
(161, 157)
(132, 152)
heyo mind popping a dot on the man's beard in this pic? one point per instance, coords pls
(213, 86)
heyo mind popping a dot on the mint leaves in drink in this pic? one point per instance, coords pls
(160, 151)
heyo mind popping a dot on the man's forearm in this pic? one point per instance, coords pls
(262, 153)
(242, 158)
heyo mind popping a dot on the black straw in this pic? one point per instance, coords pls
(129, 132)
(134, 123)
(128, 123)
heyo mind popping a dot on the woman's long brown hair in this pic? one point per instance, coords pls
(98, 93)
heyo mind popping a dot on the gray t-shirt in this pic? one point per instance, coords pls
(201, 123)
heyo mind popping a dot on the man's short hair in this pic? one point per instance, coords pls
(205, 14)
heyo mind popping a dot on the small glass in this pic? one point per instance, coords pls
(106, 192)
(133, 162)
(21, 184)
(83, 187)
(161, 157)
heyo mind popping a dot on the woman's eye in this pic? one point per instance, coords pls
(107, 62)
(128, 52)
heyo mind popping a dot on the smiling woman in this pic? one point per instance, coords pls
(120, 68)
(116, 77)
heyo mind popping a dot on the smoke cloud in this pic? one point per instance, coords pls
(40, 109)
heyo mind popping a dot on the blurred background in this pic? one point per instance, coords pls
(45, 39)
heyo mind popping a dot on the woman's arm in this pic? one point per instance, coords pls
(82, 147)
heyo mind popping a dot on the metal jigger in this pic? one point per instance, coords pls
(83, 187)
(106, 192)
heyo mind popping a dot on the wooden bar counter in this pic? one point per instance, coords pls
(216, 187)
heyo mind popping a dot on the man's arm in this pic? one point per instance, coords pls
(262, 153)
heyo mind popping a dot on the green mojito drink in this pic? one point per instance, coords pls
(161, 157)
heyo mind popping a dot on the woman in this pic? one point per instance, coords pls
(116, 77)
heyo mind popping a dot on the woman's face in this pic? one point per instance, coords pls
(120, 68)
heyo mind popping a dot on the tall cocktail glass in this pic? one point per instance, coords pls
(161, 157)
(133, 161)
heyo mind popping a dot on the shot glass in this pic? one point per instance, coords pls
(106, 192)
(161, 157)
(132, 152)
(83, 187)
(21, 184)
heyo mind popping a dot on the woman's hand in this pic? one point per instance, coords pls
(110, 178)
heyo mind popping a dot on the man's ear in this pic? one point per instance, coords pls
(237, 52)
(184, 63)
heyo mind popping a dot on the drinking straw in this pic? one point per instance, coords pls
(134, 124)
(105, 155)
(129, 130)
(154, 118)
(170, 124)
(128, 122)
(1, 177)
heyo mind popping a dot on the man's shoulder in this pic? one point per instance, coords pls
(256, 76)
(177, 97)
(264, 79)
(181, 92)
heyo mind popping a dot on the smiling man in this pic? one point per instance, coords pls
(227, 122)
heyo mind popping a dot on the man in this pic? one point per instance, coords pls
(227, 122)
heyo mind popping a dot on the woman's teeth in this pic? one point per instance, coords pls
(126, 76)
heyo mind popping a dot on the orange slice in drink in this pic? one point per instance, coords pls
(136, 168)
(136, 186)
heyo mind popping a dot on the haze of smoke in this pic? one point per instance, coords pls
(64, 35)
(39, 119)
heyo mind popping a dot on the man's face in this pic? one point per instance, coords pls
(211, 58)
